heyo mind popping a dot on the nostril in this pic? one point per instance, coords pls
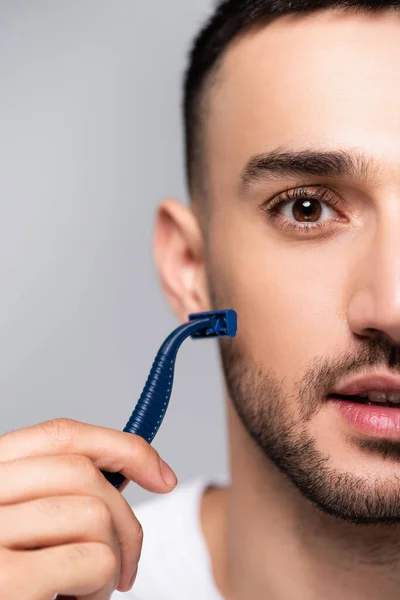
(382, 337)
(394, 357)
(374, 334)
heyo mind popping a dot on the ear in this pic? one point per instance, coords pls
(178, 250)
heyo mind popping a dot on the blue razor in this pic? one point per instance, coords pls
(150, 410)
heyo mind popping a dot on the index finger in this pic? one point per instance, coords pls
(109, 449)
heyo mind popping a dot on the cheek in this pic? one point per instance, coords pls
(288, 296)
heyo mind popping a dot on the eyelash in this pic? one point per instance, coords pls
(290, 195)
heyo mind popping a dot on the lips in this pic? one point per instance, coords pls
(382, 390)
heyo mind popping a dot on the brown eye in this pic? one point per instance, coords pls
(307, 210)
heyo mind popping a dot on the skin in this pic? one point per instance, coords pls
(61, 521)
(326, 81)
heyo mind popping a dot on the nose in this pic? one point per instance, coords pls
(374, 308)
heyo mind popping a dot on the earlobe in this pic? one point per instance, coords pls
(179, 256)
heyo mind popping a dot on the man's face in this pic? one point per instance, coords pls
(311, 260)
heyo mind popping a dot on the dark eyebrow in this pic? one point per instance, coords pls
(283, 162)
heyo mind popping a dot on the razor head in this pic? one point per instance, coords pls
(222, 323)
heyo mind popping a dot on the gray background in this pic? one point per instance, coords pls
(90, 142)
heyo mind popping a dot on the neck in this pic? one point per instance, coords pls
(268, 541)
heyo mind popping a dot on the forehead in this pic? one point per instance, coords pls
(329, 79)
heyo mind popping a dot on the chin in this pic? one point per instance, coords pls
(357, 480)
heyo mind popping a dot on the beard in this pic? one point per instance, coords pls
(276, 421)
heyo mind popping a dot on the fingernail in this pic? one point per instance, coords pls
(167, 474)
(128, 586)
(132, 580)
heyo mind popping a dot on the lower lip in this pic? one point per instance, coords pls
(378, 421)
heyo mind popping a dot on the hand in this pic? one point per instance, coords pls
(64, 529)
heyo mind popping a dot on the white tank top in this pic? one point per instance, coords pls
(175, 563)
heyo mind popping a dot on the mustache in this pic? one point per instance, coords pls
(320, 378)
(325, 374)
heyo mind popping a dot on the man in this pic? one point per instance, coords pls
(293, 153)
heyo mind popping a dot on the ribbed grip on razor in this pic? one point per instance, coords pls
(153, 402)
(151, 406)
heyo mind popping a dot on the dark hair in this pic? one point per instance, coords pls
(231, 18)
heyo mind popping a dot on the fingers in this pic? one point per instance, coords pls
(110, 450)
(86, 570)
(48, 476)
(58, 521)
(55, 521)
